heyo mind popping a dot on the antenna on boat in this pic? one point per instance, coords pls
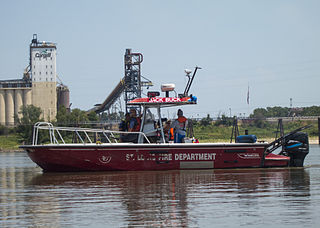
(190, 80)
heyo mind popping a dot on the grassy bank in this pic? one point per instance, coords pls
(9, 142)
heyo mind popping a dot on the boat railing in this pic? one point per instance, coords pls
(62, 135)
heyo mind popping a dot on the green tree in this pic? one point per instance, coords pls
(224, 120)
(3, 130)
(259, 113)
(63, 117)
(311, 111)
(92, 116)
(278, 111)
(29, 116)
(78, 117)
(112, 116)
(270, 112)
(206, 121)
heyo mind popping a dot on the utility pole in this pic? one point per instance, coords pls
(319, 129)
(235, 130)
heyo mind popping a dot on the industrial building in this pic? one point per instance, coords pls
(37, 87)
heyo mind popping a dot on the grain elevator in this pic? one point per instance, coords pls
(37, 87)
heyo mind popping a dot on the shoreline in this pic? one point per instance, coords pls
(314, 142)
(11, 150)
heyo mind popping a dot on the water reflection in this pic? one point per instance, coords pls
(172, 198)
(163, 198)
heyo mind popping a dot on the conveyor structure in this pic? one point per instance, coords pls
(130, 85)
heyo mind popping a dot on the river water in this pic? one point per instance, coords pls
(283, 197)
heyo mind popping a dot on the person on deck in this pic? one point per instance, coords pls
(179, 126)
(168, 131)
(124, 126)
(134, 125)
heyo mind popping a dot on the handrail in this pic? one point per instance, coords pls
(77, 131)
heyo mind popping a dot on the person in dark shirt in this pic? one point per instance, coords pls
(124, 126)
(134, 125)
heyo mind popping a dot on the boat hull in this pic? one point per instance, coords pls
(133, 157)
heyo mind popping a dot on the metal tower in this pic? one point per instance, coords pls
(132, 73)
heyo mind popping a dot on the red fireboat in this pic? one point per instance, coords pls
(86, 149)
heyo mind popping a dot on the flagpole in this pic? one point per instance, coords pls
(248, 99)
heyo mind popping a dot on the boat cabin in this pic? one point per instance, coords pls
(153, 126)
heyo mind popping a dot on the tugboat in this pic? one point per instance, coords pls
(101, 150)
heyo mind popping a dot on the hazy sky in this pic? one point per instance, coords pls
(272, 45)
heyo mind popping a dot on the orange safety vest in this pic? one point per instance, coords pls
(136, 128)
(182, 120)
(171, 135)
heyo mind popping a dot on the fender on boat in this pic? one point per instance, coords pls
(246, 139)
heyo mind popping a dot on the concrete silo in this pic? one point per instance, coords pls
(63, 97)
(18, 101)
(27, 97)
(9, 107)
(13, 95)
(2, 107)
